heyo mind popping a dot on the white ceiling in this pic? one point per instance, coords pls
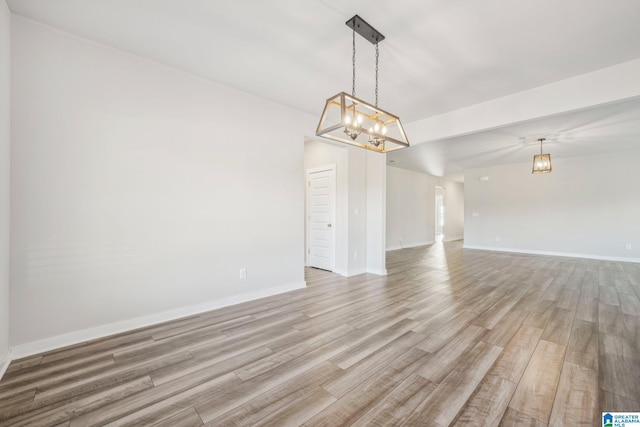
(438, 56)
(607, 128)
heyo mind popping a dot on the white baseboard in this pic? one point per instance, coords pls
(5, 360)
(356, 272)
(341, 272)
(411, 245)
(550, 253)
(52, 343)
(361, 271)
(452, 239)
(379, 272)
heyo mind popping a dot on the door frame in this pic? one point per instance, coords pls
(330, 167)
(437, 212)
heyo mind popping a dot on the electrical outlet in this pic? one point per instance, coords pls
(243, 273)
(475, 214)
(628, 246)
(497, 238)
(355, 254)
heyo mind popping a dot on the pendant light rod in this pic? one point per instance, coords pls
(353, 64)
(361, 27)
(541, 141)
(377, 56)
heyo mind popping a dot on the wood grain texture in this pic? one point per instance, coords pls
(301, 409)
(451, 394)
(441, 362)
(488, 403)
(399, 404)
(535, 393)
(449, 336)
(583, 345)
(516, 355)
(576, 402)
(506, 328)
(611, 402)
(513, 418)
(277, 398)
(187, 418)
(291, 372)
(587, 308)
(341, 384)
(558, 328)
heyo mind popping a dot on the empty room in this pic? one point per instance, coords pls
(319, 213)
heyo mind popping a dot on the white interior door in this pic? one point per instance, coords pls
(321, 207)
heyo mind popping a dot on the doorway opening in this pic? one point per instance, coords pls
(439, 214)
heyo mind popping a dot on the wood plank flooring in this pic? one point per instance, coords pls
(449, 337)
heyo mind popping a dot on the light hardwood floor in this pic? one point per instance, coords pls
(449, 337)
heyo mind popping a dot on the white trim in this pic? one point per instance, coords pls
(52, 343)
(331, 166)
(550, 253)
(356, 272)
(5, 360)
(411, 245)
(452, 239)
(359, 271)
(343, 273)
(377, 271)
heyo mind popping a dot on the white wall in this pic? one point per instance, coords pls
(139, 190)
(5, 135)
(376, 189)
(357, 165)
(410, 208)
(453, 211)
(360, 205)
(587, 206)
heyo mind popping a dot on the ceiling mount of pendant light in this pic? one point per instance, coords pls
(351, 120)
(541, 162)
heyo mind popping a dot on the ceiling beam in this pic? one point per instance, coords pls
(607, 85)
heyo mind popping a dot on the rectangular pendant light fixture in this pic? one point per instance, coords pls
(353, 121)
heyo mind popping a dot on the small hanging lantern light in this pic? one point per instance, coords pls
(541, 162)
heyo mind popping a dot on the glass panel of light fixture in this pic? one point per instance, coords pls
(353, 121)
(541, 163)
